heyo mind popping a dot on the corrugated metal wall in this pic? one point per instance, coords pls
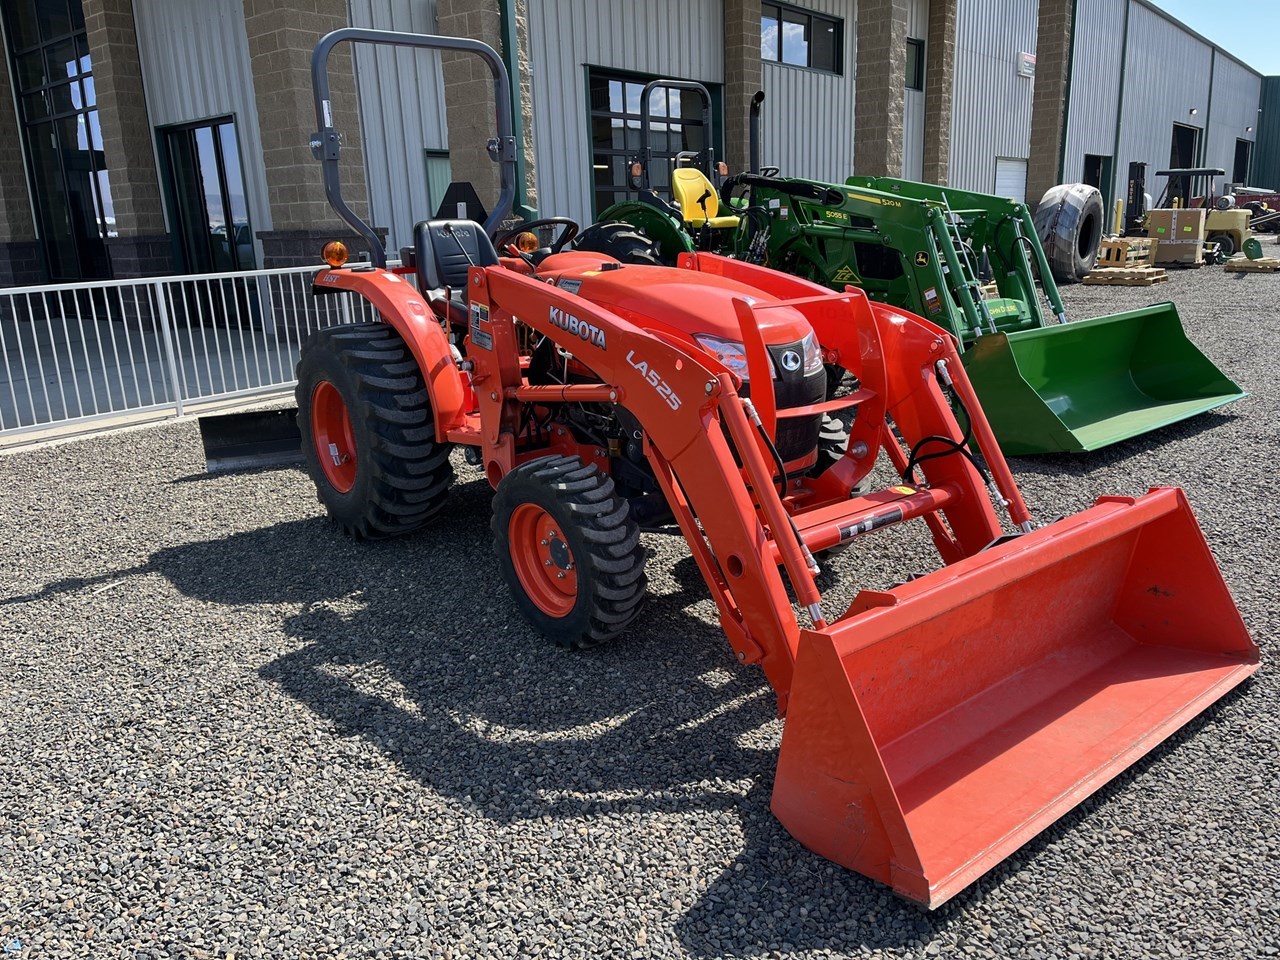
(1095, 83)
(402, 114)
(913, 109)
(1266, 160)
(195, 66)
(670, 38)
(991, 116)
(806, 128)
(1166, 77)
(1237, 92)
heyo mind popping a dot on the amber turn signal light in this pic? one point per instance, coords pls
(527, 242)
(335, 253)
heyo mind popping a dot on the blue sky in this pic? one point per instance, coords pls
(1249, 29)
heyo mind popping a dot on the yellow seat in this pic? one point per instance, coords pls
(689, 185)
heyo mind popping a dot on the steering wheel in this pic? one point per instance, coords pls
(568, 230)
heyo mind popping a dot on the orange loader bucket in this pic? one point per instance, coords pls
(939, 726)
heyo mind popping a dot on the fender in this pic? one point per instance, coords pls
(399, 304)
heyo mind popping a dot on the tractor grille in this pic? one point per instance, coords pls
(796, 437)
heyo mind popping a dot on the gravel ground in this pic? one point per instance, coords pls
(229, 731)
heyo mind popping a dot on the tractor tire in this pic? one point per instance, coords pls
(1226, 244)
(569, 550)
(833, 439)
(621, 241)
(1069, 223)
(368, 436)
(835, 379)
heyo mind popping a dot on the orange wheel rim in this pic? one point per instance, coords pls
(334, 440)
(542, 560)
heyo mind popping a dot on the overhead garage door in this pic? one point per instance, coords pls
(1011, 179)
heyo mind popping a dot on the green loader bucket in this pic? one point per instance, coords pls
(1080, 386)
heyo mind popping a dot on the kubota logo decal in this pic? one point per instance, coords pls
(578, 328)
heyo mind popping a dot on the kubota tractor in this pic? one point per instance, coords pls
(932, 727)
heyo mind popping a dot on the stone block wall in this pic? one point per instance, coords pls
(282, 34)
(939, 79)
(1048, 103)
(880, 96)
(743, 76)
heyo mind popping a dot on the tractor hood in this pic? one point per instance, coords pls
(679, 302)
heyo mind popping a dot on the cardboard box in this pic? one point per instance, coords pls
(1180, 234)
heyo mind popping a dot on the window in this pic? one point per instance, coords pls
(915, 64)
(62, 136)
(675, 126)
(439, 176)
(797, 37)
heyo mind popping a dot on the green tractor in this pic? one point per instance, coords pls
(1047, 386)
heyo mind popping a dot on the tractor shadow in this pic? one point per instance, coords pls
(414, 647)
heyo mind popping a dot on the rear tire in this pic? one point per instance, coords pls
(621, 241)
(1069, 224)
(568, 550)
(368, 435)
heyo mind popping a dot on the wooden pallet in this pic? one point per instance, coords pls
(1245, 265)
(1126, 252)
(1126, 277)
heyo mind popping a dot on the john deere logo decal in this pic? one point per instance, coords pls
(845, 275)
(922, 259)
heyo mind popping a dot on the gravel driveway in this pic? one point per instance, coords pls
(227, 730)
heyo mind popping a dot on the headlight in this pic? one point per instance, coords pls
(732, 354)
(812, 353)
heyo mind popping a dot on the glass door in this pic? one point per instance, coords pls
(206, 196)
(53, 79)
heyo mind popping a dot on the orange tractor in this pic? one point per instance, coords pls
(931, 728)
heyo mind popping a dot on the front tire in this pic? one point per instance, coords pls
(1226, 244)
(568, 550)
(368, 435)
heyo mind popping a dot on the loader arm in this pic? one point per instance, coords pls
(740, 531)
(935, 726)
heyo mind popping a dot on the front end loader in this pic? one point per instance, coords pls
(932, 727)
(1048, 386)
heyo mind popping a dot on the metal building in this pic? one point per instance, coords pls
(1141, 87)
(991, 119)
(195, 114)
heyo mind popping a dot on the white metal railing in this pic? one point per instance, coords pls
(83, 351)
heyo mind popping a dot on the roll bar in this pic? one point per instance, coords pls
(326, 142)
(646, 153)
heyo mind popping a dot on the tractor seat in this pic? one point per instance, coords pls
(445, 250)
(690, 185)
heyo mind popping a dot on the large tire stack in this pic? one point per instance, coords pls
(1069, 224)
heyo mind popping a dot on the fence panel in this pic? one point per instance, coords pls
(85, 351)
